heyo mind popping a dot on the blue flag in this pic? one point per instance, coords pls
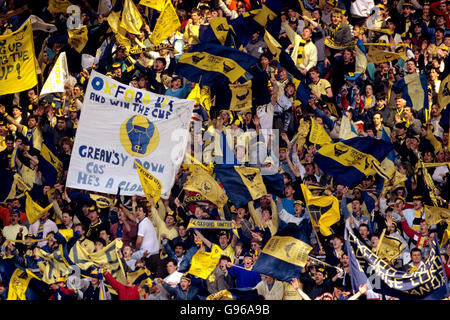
(350, 161)
(274, 184)
(50, 165)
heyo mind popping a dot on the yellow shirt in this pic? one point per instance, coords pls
(229, 252)
(191, 33)
(161, 226)
(320, 87)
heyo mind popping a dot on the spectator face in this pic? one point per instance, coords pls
(289, 191)
(223, 240)
(223, 265)
(14, 218)
(98, 246)
(61, 124)
(306, 34)
(318, 276)
(171, 268)
(159, 66)
(417, 204)
(76, 92)
(337, 243)
(31, 123)
(170, 221)
(66, 219)
(16, 113)
(182, 231)
(104, 235)
(140, 214)
(423, 227)
(356, 206)
(363, 231)
(184, 284)
(374, 241)
(179, 251)
(336, 19)
(248, 262)
(127, 251)
(377, 119)
(298, 209)
(93, 216)
(410, 67)
(406, 11)
(176, 84)
(369, 91)
(314, 76)
(416, 257)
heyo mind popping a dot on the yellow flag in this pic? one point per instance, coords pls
(202, 182)
(318, 134)
(109, 256)
(33, 210)
(263, 15)
(434, 215)
(67, 233)
(155, 4)
(376, 55)
(241, 96)
(253, 180)
(389, 247)
(445, 237)
(323, 210)
(131, 18)
(17, 69)
(151, 186)
(80, 256)
(302, 133)
(53, 265)
(78, 38)
(288, 249)
(120, 33)
(220, 28)
(168, 22)
(273, 45)
(101, 201)
(58, 6)
(203, 263)
(18, 285)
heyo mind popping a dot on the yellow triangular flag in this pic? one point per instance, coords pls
(33, 210)
(168, 22)
(154, 4)
(131, 18)
(78, 38)
(151, 186)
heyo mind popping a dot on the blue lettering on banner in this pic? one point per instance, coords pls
(150, 166)
(127, 186)
(139, 101)
(102, 155)
(89, 179)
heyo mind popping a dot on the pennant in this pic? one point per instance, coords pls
(131, 18)
(389, 247)
(203, 263)
(151, 185)
(350, 161)
(167, 23)
(241, 96)
(202, 182)
(318, 135)
(120, 32)
(323, 210)
(212, 224)
(78, 38)
(57, 77)
(33, 210)
(434, 215)
(18, 70)
(286, 253)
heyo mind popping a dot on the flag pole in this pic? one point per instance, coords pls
(324, 263)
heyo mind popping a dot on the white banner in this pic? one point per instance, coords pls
(57, 77)
(119, 124)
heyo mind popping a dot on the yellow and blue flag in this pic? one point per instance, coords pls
(203, 263)
(241, 184)
(350, 161)
(414, 89)
(286, 253)
(150, 184)
(428, 282)
(323, 210)
(206, 62)
(21, 283)
(50, 165)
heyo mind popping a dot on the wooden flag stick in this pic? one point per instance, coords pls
(324, 263)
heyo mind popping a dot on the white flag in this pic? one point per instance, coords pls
(120, 124)
(39, 24)
(57, 77)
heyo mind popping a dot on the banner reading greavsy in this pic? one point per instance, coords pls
(120, 124)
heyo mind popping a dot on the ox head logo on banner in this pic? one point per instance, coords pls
(139, 136)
